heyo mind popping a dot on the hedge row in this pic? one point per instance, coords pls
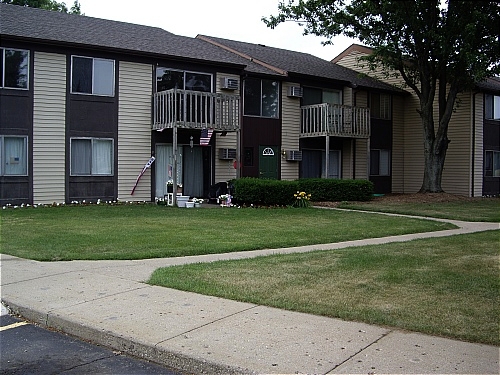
(257, 191)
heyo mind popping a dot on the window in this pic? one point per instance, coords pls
(491, 107)
(167, 79)
(313, 95)
(91, 157)
(380, 162)
(14, 64)
(380, 106)
(248, 157)
(14, 155)
(492, 163)
(92, 76)
(261, 98)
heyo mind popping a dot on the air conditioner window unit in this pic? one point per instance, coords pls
(227, 83)
(295, 91)
(294, 155)
(227, 153)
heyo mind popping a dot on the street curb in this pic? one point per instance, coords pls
(170, 359)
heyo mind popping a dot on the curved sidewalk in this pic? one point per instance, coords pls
(108, 302)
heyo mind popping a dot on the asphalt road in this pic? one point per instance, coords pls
(28, 349)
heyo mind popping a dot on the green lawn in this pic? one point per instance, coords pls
(150, 231)
(447, 286)
(477, 209)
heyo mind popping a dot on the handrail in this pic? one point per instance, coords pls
(195, 110)
(335, 120)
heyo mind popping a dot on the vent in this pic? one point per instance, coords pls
(227, 153)
(295, 92)
(293, 155)
(228, 83)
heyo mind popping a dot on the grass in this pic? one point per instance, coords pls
(149, 231)
(447, 286)
(477, 209)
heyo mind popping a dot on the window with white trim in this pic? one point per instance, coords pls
(492, 107)
(261, 98)
(492, 163)
(14, 64)
(13, 155)
(92, 157)
(92, 76)
(380, 162)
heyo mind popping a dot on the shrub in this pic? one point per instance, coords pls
(335, 190)
(257, 191)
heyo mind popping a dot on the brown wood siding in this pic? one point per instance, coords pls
(92, 116)
(259, 131)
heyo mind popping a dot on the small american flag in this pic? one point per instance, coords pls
(205, 136)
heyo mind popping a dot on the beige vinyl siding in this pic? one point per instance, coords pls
(347, 159)
(457, 166)
(478, 145)
(398, 147)
(362, 147)
(413, 147)
(290, 131)
(49, 128)
(134, 130)
(224, 169)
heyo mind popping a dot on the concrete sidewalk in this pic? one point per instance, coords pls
(108, 303)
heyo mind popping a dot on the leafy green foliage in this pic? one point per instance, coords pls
(47, 4)
(437, 49)
(335, 190)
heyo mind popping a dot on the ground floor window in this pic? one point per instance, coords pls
(92, 157)
(13, 155)
(313, 164)
(380, 163)
(492, 163)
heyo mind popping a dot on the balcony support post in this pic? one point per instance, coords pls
(327, 155)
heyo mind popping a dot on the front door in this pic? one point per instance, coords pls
(268, 162)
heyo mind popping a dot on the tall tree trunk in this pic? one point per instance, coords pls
(434, 157)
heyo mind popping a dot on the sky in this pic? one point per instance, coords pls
(230, 19)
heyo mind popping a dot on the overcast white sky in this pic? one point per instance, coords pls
(230, 19)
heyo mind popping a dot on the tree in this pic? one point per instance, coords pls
(47, 4)
(437, 47)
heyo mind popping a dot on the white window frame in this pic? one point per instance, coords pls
(92, 139)
(94, 59)
(2, 81)
(3, 160)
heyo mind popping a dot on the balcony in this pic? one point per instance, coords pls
(195, 110)
(335, 120)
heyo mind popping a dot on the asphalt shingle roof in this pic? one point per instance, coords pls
(305, 64)
(44, 26)
(54, 27)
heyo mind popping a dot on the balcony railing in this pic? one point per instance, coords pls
(335, 120)
(195, 110)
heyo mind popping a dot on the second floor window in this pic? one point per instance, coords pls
(492, 107)
(380, 106)
(92, 76)
(14, 65)
(167, 79)
(261, 98)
